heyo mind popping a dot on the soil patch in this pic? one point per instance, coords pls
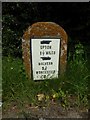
(52, 110)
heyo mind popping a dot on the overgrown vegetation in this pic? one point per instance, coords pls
(70, 89)
(72, 85)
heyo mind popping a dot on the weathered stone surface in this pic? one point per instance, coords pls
(44, 29)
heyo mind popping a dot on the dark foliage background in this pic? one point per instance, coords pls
(17, 16)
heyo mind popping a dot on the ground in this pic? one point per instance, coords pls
(51, 110)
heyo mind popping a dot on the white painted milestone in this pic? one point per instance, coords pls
(45, 58)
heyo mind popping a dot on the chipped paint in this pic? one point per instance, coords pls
(62, 52)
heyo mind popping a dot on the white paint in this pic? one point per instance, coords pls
(45, 28)
(0, 104)
(39, 50)
(26, 42)
(62, 52)
(23, 40)
(65, 47)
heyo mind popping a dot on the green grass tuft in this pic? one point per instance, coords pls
(16, 86)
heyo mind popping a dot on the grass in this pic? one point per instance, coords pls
(71, 85)
(17, 87)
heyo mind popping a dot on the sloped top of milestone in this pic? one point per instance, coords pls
(45, 29)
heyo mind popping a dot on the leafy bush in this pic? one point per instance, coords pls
(11, 44)
(78, 74)
(15, 24)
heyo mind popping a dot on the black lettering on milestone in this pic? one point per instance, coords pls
(45, 42)
(46, 58)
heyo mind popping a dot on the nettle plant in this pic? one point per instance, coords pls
(78, 73)
(79, 55)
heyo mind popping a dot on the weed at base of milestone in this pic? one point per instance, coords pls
(16, 86)
(77, 73)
